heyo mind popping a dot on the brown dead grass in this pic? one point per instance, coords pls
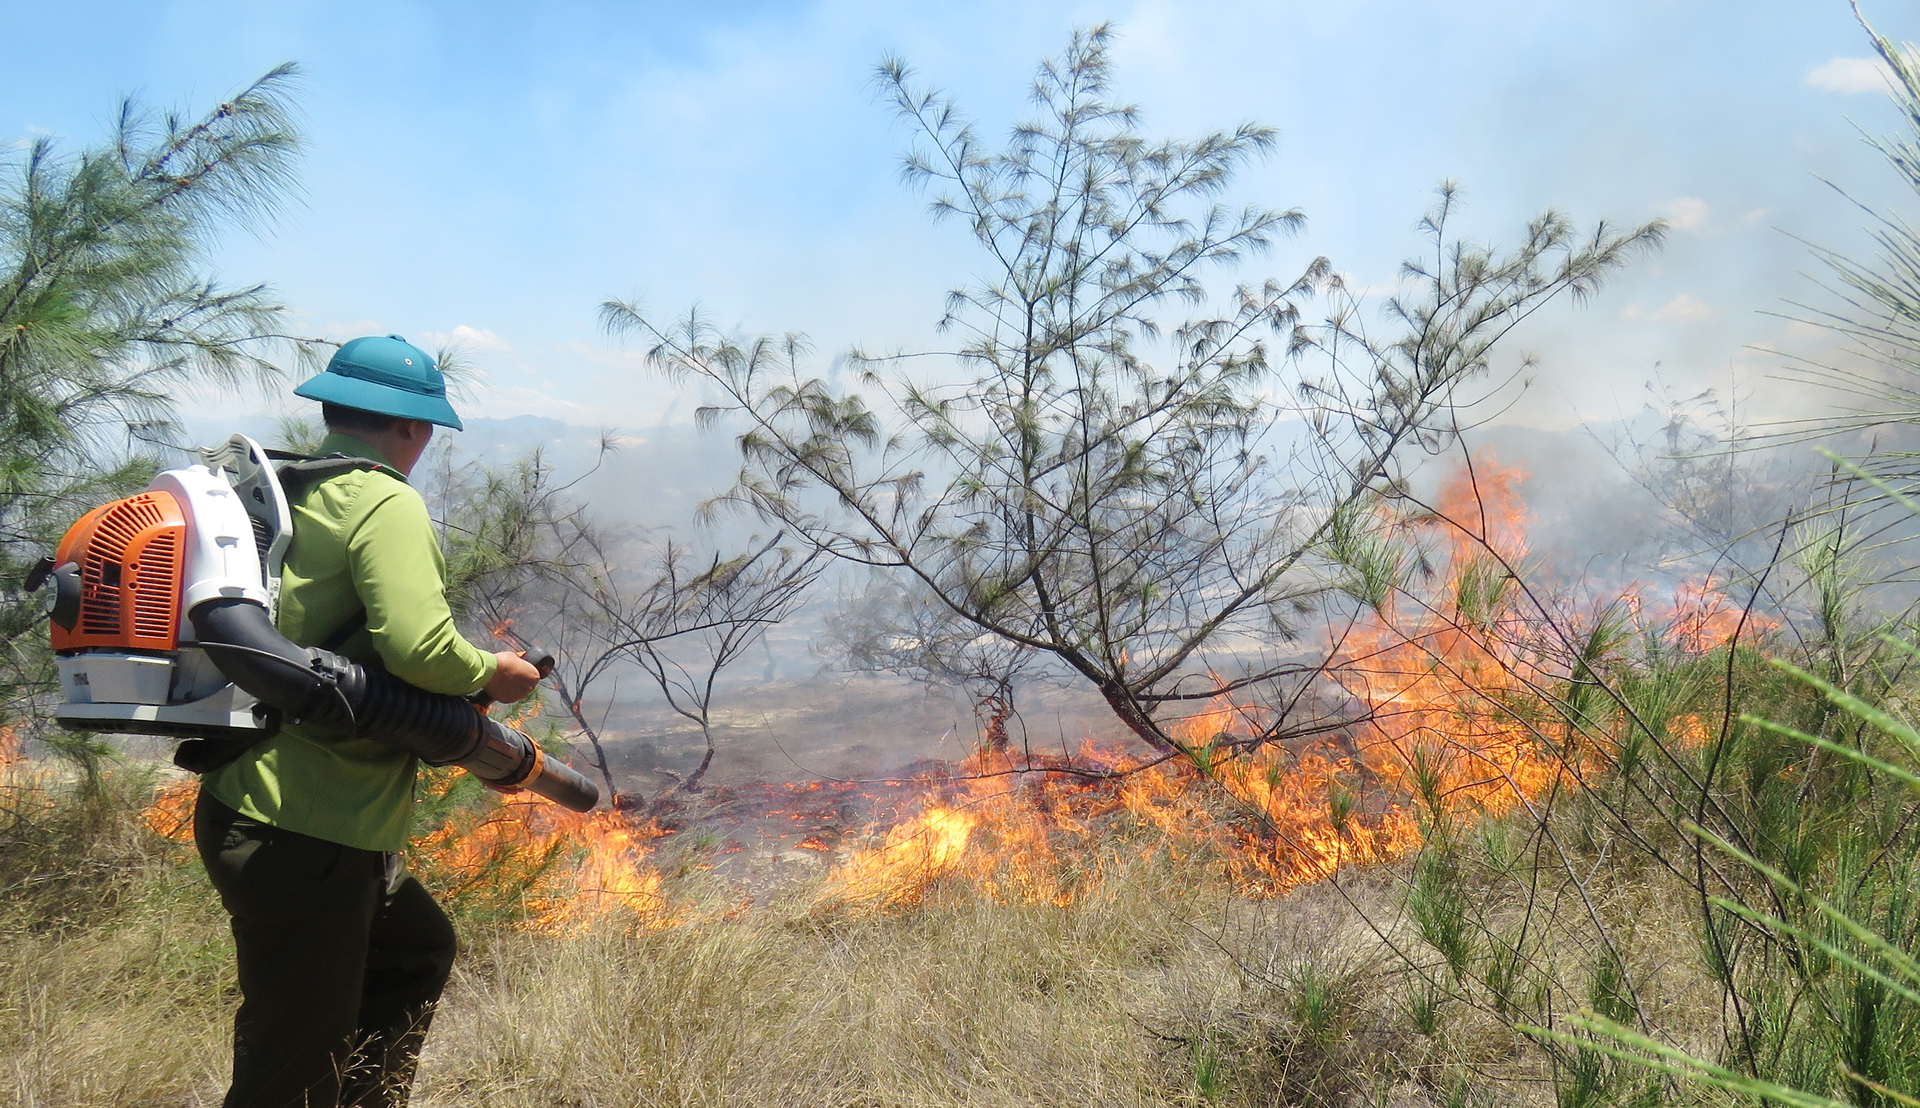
(1160, 988)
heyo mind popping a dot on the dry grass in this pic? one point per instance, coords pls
(115, 962)
(1157, 988)
(956, 1002)
(120, 1015)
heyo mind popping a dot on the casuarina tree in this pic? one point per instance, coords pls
(107, 312)
(1148, 502)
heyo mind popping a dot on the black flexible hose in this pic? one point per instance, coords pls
(272, 658)
(311, 685)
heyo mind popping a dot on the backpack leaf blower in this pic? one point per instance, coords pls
(162, 611)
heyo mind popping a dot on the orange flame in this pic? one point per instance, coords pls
(1703, 619)
(170, 816)
(574, 870)
(1447, 678)
(1451, 680)
(13, 756)
(916, 854)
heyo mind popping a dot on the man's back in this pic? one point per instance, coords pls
(341, 955)
(362, 542)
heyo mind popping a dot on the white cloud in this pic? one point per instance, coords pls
(1850, 75)
(1696, 216)
(1687, 213)
(467, 338)
(606, 356)
(541, 400)
(1684, 308)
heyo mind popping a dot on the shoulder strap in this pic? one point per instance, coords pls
(297, 471)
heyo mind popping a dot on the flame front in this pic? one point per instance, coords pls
(916, 854)
(1453, 687)
(1453, 691)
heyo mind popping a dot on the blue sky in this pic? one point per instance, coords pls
(492, 171)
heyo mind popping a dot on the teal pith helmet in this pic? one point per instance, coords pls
(384, 374)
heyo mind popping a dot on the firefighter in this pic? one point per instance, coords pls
(341, 954)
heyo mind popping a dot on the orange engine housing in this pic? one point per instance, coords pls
(130, 554)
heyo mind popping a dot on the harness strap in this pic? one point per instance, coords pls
(297, 471)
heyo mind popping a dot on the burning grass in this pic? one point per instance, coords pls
(1350, 917)
(1458, 713)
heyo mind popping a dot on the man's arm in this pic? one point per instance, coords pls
(401, 576)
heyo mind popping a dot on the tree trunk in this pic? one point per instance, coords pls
(1120, 699)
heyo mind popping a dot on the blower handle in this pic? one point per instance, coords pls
(542, 659)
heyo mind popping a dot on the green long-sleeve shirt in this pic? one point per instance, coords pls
(359, 539)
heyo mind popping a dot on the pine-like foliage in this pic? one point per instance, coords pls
(106, 312)
(1144, 502)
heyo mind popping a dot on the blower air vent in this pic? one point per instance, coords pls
(262, 540)
(155, 584)
(129, 553)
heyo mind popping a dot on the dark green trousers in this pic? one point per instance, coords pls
(338, 972)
